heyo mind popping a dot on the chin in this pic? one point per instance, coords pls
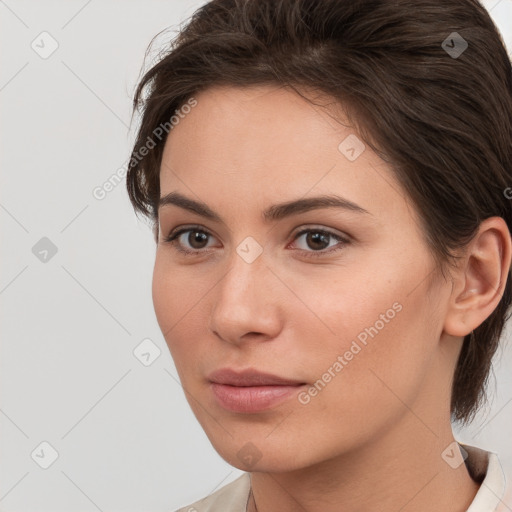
(274, 463)
(262, 455)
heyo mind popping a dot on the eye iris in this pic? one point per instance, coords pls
(315, 237)
(196, 236)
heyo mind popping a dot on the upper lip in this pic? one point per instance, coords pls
(249, 377)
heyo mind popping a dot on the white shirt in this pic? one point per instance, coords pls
(494, 495)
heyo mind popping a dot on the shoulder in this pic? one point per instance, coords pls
(229, 498)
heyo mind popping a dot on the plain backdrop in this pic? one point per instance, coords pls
(114, 430)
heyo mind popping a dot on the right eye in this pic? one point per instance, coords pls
(195, 236)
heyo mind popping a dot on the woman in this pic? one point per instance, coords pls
(328, 185)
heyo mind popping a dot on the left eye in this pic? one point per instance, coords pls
(318, 241)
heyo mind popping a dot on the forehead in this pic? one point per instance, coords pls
(253, 145)
(256, 124)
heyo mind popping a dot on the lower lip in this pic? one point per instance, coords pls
(251, 398)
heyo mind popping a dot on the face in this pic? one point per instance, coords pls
(334, 299)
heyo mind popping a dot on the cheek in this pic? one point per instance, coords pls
(175, 303)
(164, 301)
(176, 291)
(335, 306)
(366, 336)
(377, 363)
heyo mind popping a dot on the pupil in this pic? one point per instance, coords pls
(318, 237)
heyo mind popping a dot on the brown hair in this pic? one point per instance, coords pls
(442, 118)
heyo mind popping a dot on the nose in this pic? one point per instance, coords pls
(246, 303)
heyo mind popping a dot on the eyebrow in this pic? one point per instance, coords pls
(273, 213)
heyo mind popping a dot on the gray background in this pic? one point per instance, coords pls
(125, 437)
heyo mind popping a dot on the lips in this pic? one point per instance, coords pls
(249, 377)
(250, 391)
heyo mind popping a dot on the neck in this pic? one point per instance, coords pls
(402, 471)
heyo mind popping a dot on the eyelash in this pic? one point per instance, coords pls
(171, 239)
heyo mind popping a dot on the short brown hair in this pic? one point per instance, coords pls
(443, 120)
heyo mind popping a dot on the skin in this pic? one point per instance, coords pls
(372, 438)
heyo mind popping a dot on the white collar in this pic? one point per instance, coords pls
(485, 468)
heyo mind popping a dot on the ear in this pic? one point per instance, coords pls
(480, 278)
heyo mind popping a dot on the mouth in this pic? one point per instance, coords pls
(250, 391)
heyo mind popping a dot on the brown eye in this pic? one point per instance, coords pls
(317, 242)
(197, 239)
(189, 240)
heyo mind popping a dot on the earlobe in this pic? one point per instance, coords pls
(480, 279)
